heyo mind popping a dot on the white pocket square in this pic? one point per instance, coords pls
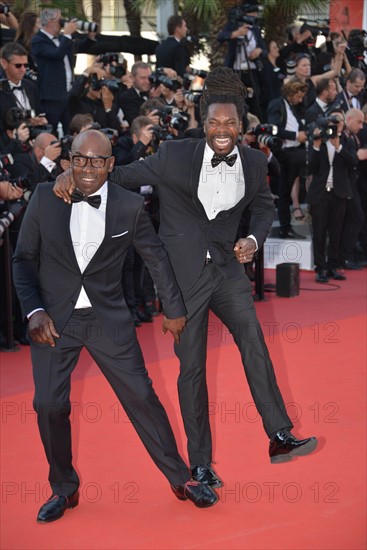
(119, 235)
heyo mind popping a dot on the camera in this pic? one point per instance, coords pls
(239, 16)
(172, 117)
(158, 77)
(85, 26)
(8, 216)
(291, 67)
(357, 43)
(194, 96)
(65, 143)
(266, 134)
(117, 70)
(6, 160)
(4, 9)
(160, 134)
(111, 133)
(96, 83)
(198, 72)
(16, 116)
(31, 75)
(108, 58)
(328, 127)
(316, 28)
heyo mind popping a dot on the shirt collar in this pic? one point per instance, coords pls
(208, 153)
(48, 34)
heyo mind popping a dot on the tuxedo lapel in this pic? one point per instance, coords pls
(112, 209)
(62, 221)
(197, 162)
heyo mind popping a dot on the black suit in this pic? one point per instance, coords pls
(328, 208)
(221, 286)
(47, 275)
(313, 112)
(346, 101)
(8, 99)
(130, 102)
(172, 54)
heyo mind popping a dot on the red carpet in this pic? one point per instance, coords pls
(318, 344)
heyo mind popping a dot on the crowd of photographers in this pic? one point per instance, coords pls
(306, 111)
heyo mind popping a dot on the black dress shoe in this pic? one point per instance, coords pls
(200, 494)
(55, 507)
(333, 274)
(321, 277)
(205, 474)
(290, 234)
(285, 446)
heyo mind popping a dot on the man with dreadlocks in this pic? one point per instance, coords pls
(204, 186)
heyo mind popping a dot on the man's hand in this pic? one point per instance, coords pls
(53, 151)
(64, 186)
(301, 136)
(362, 154)
(42, 329)
(9, 192)
(174, 326)
(336, 142)
(71, 27)
(255, 54)
(244, 250)
(107, 97)
(22, 132)
(146, 134)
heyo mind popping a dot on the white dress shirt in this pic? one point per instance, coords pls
(291, 126)
(20, 95)
(222, 187)
(87, 230)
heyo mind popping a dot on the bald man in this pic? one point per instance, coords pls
(67, 272)
(40, 165)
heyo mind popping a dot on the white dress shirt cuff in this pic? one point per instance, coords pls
(34, 311)
(48, 164)
(253, 238)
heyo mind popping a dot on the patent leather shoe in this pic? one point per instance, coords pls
(285, 446)
(55, 507)
(321, 277)
(204, 473)
(333, 274)
(200, 494)
(290, 234)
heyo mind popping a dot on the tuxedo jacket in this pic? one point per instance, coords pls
(313, 112)
(185, 229)
(171, 53)
(27, 166)
(50, 63)
(47, 275)
(343, 166)
(277, 115)
(345, 101)
(130, 102)
(8, 99)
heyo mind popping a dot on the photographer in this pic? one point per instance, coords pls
(246, 48)
(14, 139)
(326, 91)
(353, 96)
(54, 56)
(91, 93)
(331, 163)
(15, 90)
(41, 164)
(285, 114)
(271, 77)
(176, 97)
(8, 19)
(134, 146)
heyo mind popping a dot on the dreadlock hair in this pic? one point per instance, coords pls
(223, 85)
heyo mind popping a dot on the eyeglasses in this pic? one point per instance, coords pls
(19, 65)
(80, 161)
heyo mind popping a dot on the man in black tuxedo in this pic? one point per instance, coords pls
(132, 99)
(67, 272)
(17, 91)
(171, 52)
(326, 93)
(202, 198)
(353, 96)
(331, 164)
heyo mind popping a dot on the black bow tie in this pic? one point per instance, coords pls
(20, 87)
(217, 159)
(94, 200)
